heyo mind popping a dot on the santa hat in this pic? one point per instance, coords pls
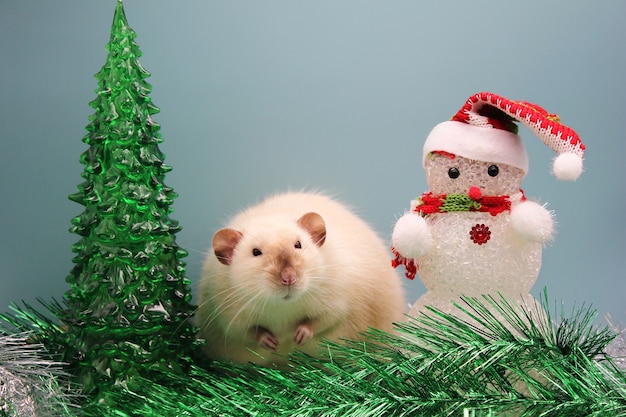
(485, 130)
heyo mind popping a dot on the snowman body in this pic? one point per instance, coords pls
(473, 234)
(459, 265)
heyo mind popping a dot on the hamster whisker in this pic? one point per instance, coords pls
(230, 291)
(243, 308)
(233, 296)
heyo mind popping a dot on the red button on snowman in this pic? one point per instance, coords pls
(474, 232)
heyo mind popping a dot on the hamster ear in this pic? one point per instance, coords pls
(224, 243)
(314, 224)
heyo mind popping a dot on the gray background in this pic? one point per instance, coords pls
(262, 96)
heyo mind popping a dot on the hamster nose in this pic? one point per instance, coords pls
(288, 276)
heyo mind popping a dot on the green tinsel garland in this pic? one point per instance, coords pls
(438, 364)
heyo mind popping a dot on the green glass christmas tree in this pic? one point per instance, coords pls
(129, 301)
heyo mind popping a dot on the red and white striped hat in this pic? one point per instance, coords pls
(485, 130)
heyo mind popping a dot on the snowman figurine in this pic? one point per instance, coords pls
(474, 232)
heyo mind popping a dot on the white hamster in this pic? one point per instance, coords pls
(289, 272)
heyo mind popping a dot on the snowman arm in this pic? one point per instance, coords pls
(411, 236)
(532, 221)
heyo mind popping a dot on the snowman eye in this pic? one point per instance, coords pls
(453, 173)
(493, 170)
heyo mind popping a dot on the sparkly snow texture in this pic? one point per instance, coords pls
(617, 350)
(29, 382)
(508, 263)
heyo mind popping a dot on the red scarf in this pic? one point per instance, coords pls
(447, 203)
(473, 201)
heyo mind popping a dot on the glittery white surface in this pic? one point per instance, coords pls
(28, 380)
(617, 350)
(16, 396)
(456, 265)
(472, 173)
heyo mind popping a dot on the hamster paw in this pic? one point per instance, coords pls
(267, 340)
(532, 221)
(411, 236)
(303, 334)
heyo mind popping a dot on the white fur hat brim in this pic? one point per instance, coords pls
(477, 142)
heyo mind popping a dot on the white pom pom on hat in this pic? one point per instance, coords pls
(568, 166)
(484, 129)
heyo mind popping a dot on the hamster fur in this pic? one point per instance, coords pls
(289, 272)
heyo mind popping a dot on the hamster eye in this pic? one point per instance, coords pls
(493, 170)
(256, 252)
(298, 245)
(454, 173)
